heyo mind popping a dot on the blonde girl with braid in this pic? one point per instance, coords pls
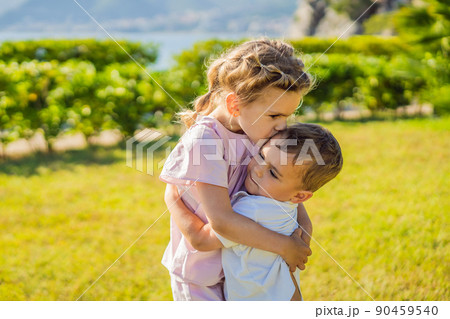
(253, 89)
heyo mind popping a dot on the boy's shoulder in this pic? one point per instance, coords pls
(262, 203)
(238, 196)
(246, 205)
(244, 197)
(264, 210)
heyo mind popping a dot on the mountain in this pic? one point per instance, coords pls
(262, 16)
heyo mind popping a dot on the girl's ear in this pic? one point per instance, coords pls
(231, 101)
(301, 197)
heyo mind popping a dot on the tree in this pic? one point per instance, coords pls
(426, 24)
(354, 8)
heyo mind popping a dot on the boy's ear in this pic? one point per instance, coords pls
(301, 197)
(232, 104)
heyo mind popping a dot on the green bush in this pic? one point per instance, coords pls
(335, 79)
(89, 90)
(365, 45)
(440, 98)
(187, 79)
(366, 71)
(131, 97)
(73, 96)
(38, 96)
(389, 83)
(99, 53)
(425, 25)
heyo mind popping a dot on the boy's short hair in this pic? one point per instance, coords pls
(317, 173)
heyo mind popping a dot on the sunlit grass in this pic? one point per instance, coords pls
(63, 225)
(385, 218)
(66, 218)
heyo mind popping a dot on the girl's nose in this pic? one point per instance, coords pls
(281, 125)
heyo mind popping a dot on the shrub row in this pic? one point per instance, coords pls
(99, 53)
(54, 97)
(346, 75)
(79, 95)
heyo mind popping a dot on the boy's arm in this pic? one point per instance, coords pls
(240, 229)
(305, 224)
(199, 235)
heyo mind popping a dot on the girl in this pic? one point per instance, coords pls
(252, 91)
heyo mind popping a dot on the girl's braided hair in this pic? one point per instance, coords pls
(247, 70)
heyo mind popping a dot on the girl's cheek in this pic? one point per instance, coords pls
(270, 126)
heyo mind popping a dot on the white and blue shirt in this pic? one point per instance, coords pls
(255, 274)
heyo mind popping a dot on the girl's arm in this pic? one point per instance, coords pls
(198, 234)
(243, 230)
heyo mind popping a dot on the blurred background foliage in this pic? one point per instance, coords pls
(65, 217)
(65, 86)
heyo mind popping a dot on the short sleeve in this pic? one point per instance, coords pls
(244, 206)
(199, 156)
(226, 242)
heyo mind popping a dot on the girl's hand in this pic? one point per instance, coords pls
(297, 252)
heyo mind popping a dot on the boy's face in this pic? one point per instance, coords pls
(272, 173)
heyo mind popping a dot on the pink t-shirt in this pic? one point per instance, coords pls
(208, 153)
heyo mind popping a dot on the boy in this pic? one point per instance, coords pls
(288, 169)
(281, 176)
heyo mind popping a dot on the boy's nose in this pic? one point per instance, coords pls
(259, 170)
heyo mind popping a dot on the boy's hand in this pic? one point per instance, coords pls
(305, 229)
(297, 252)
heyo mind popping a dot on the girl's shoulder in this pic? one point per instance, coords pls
(206, 127)
(209, 127)
(203, 129)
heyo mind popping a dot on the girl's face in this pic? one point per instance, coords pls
(268, 114)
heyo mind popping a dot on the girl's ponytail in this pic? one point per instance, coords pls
(204, 104)
(201, 104)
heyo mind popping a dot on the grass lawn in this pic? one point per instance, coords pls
(65, 218)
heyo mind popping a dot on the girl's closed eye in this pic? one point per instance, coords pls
(274, 116)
